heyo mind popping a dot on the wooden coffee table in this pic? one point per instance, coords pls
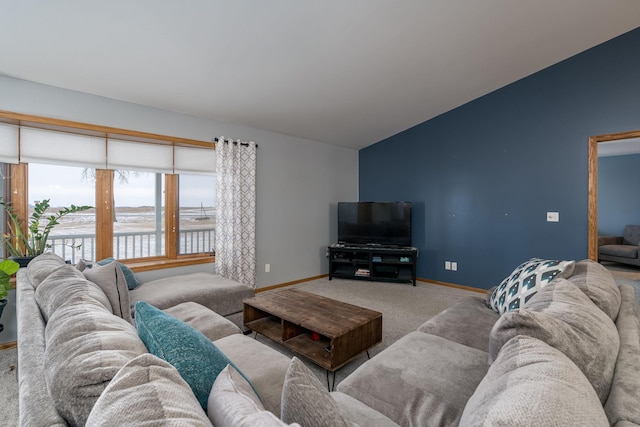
(291, 316)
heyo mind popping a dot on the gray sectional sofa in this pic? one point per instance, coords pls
(571, 356)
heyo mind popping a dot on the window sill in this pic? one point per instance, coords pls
(158, 264)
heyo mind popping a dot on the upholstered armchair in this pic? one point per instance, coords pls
(622, 249)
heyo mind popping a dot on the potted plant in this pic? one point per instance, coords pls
(24, 247)
(7, 269)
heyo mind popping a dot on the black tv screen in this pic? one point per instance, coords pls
(374, 223)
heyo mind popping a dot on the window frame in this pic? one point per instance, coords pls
(104, 191)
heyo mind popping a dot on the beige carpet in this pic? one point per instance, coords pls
(9, 387)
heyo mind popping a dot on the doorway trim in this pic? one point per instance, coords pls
(593, 184)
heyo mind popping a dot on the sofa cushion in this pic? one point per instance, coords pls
(196, 358)
(233, 403)
(306, 401)
(210, 323)
(356, 413)
(86, 346)
(532, 381)
(112, 282)
(130, 277)
(599, 285)
(527, 279)
(622, 405)
(565, 318)
(262, 365)
(622, 251)
(147, 391)
(631, 235)
(66, 285)
(41, 266)
(453, 323)
(421, 379)
(217, 293)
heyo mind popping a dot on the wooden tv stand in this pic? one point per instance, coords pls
(379, 263)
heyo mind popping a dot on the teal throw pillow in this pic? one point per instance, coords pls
(197, 359)
(132, 281)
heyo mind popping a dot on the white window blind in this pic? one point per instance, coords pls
(8, 143)
(199, 161)
(62, 148)
(139, 156)
(27, 144)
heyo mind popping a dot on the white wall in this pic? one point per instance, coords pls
(299, 181)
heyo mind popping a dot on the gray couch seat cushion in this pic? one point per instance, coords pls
(222, 295)
(419, 380)
(356, 413)
(263, 366)
(622, 405)
(147, 391)
(86, 346)
(533, 384)
(562, 316)
(622, 251)
(599, 285)
(453, 323)
(199, 317)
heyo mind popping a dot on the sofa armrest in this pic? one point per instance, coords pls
(609, 240)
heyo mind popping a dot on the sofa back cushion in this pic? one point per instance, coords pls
(565, 318)
(67, 285)
(147, 391)
(631, 235)
(622, 405)
(111, 280)
(599, 285)
(86, 346)
(42, 266)
(532, 383)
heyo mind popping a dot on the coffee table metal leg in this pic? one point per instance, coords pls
(330, 386)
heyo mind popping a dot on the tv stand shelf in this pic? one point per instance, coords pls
(374, 263)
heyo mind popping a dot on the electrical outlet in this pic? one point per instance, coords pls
(267, 268)
(553, 216)
(447, 265)
(454, 266)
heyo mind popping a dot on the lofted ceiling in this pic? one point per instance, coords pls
(343, 72)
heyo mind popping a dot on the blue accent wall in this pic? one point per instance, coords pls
(482, 176)
(618, 193)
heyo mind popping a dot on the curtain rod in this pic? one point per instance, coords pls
(226, 141)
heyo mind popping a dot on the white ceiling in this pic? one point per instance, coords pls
(344, 72)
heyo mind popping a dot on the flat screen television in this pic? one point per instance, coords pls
(374, 223)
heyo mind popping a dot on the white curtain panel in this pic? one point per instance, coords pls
(236, 210)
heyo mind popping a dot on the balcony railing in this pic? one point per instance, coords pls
(74, 247)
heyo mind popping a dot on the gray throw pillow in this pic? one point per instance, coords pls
(112, 282)
(147, 391)
(233, 403)
(533, 384)
(562, 316)
(306, 401)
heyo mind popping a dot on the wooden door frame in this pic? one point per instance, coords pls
(593, 184)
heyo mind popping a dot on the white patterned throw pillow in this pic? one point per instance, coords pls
(525, 281)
